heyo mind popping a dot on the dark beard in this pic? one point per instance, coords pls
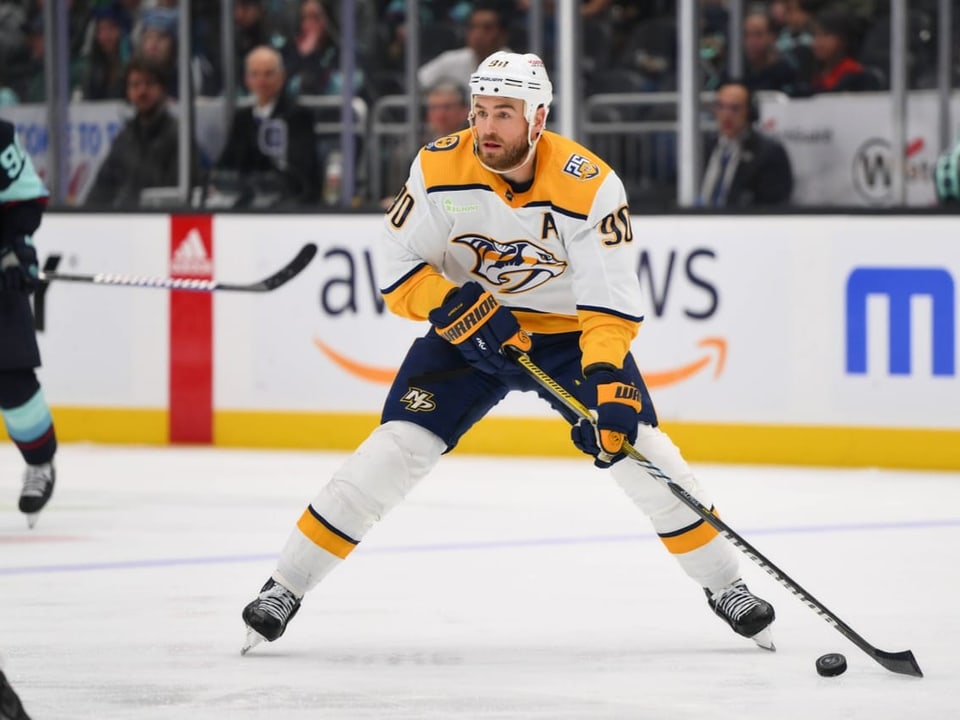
(514, 156)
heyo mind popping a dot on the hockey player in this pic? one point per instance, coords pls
(25, 412)
(506, 234)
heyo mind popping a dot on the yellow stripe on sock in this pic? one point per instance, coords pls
(686, 541)
(324, 537)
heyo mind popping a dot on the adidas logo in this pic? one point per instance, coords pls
(191, 258)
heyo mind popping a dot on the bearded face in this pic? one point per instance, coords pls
(502, 154)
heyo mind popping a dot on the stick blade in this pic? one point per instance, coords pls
(899, 662)
(281, 277)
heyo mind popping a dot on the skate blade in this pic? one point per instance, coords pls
(32, 519)
(253, 639)
(764, 639)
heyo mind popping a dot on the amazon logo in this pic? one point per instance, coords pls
(676, 281)
(714, 353)
(515, 266)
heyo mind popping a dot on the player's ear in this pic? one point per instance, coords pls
(539, 120)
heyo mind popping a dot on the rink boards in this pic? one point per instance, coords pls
(804, 339)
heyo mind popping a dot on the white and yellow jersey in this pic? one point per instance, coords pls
(561, 255)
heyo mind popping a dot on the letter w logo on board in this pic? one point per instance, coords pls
(418, 400)
(899, 286)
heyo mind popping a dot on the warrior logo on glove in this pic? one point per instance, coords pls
(479, 326)
(467, 321)
(615, 404)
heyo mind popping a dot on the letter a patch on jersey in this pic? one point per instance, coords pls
(418, 400)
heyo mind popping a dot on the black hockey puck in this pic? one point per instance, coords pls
(831, 664)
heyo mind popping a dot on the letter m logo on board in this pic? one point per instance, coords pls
(900, 286)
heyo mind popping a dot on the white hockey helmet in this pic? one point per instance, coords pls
(512, 75)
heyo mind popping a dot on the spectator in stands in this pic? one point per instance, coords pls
(744, 168)
(109, 54)
(946, 178)
(834, 38)
(252, 29)
(764, 67)
(145, 152)
(796, 37)
(272, 143)
(312, 59)
(32, 86)
(448, 111)
(486, 33)
(158, 42)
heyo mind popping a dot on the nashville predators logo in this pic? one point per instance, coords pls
(581, 168)
(447, 142)
(418, 400)
(515, 266)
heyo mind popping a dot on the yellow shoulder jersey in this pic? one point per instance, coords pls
(560, 254)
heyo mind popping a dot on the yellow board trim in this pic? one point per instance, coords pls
(323, 537)
(133, 426)
(907, 448)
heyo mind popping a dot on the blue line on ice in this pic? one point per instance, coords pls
(472, 546)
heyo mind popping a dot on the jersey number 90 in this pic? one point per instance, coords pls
(400, 209)
(615, 227)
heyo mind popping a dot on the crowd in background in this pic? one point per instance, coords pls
(797, 47)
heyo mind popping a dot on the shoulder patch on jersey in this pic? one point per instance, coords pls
(447, 142)
(580, 167)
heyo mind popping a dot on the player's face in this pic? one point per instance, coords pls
(501, 131)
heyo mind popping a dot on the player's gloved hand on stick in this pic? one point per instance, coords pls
(615, 403)
(473, 320)
(19, 268)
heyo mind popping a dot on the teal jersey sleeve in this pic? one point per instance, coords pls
(18, 178)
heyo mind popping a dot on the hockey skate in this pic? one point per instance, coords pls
(747, 614)
(38, 481)
(10, 706)
(267, 616)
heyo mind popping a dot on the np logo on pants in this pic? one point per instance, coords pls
(418, 400)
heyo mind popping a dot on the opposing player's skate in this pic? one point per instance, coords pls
(747, 614)
(267, 616)
(10, 706)
(38, 481)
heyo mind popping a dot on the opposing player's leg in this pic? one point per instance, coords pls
(29, 424)
(435, 398)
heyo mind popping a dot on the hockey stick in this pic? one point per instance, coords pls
(282, 276)
(898, 662)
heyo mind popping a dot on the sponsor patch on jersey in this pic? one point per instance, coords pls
(451, 207)
(581, 168)
(447, 142)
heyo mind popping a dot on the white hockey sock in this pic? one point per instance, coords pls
(703, 554)
(374, 479)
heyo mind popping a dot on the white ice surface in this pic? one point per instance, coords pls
(502, 588)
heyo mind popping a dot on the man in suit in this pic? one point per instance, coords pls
(271, 145)
(744, 167)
